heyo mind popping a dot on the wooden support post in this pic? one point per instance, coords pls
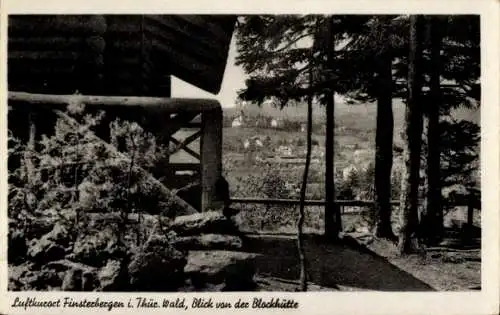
(211, 158)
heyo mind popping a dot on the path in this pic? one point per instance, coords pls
(331, 264)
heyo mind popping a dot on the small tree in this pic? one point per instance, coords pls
(303, 189)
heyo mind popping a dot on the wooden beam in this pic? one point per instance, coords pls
(169, 31)
(165, 103)
(46, 42)
(80, 25)
(183, 145)
(201, 22)
(38, 55)
(211, 159)
(185, 167)
(188, 139)
(179, 121)
(193, 125)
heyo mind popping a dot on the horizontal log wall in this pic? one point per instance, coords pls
(60, 54)
(116, 54)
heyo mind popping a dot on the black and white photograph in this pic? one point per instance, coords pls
(201, 153)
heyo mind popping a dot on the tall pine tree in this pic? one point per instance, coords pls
(367, 71)
(412, 140)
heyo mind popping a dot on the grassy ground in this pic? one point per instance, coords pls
(453, 267)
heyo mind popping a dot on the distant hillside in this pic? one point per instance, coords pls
(346, 115)
(298, 112)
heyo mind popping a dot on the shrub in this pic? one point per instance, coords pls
(274, 186)
(73, 169)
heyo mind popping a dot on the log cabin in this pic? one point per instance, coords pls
(127, 56)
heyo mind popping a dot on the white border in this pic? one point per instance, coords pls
(484, 302)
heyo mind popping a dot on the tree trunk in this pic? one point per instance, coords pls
(383, 150)
(434, 211)
(300, 224)
(29, 154)
(412, 137)
(332, 213)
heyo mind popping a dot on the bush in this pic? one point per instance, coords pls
(73, 169)
(274, 186)
(70, 204)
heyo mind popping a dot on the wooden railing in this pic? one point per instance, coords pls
(470, 202)
(295, 202)
(158, 112)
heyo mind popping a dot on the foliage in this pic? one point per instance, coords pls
(460, 154)
(459, 168)
(276, 51)
(75, 170)
(274, 186)
(381, 34)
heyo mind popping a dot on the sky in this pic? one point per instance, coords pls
(234, 80)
